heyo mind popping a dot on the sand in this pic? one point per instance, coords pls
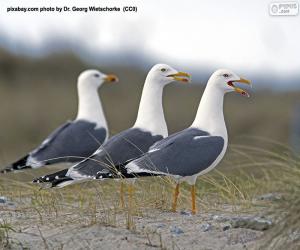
(155, 229)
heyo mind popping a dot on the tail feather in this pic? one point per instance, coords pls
(16, 166)
(60, 178)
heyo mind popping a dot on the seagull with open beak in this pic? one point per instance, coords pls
(197, 149)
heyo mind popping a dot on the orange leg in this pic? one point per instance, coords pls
(193, 193)
(176, 193)
(122, 195)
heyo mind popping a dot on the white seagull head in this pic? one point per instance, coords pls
(225, 80)
(165, 74)
(95, 78)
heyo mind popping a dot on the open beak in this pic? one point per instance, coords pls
(239, 90)
(111, 78)
(181, 77)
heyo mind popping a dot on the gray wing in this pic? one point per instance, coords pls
(127, 145)
(69, 143)
(188, 153)
(52, 136)
(170, 139)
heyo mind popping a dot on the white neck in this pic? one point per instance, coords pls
(89, 105)
(210, 115)
(151, 115)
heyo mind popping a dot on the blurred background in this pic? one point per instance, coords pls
(41, 55)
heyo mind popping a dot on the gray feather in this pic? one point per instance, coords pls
(70, 142)
(127, 145)
(182, 154)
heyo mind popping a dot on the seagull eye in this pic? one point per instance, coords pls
(163, 70)
(225, 75)
(97, 75)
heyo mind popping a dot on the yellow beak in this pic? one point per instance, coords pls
(243, 80)
(181, 77)
(239, 90)
(111, 78)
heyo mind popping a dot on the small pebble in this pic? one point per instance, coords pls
(295, 235)
(3, 200)
(205, 227)
(186, 213)
(269, 197)
(176, 230)
(161, 225)
(254, 223)
(226, 227)
(220, 218)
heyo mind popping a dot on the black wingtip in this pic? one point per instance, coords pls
(53, 182)
(16, 166)
(101, 175)
(43, 179)
(53, 178)
(57, 182)
(38, 180)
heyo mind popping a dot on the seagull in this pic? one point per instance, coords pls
(198, 149)
(77, 139)
(150, 127)
(193, 151)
